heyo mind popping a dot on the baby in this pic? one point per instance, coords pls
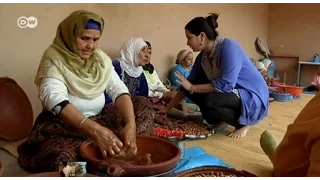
(315, 84)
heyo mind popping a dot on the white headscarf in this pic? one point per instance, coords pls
(266, 62)
(260, 66)
(129, 56)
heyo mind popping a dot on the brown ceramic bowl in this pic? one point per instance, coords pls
(16, 111)
(164, 154)
(53, 174)
(1, 168)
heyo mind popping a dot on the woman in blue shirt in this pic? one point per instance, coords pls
(184, 64)
(224, 83)
(133, 55)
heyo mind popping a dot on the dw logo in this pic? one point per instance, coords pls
(30, 22)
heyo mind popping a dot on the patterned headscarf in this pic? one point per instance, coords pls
(181, 55)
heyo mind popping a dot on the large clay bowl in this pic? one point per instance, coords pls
(53, 174)
(1, 168)
(164, 154)
(16, 119)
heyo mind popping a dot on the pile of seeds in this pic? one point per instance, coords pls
(213, 171)
(214, 174)
(188, 127)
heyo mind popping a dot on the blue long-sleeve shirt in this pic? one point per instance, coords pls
(178, 68)
(142, 90)
(237, 72)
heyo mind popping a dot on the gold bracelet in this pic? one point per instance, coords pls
(82, 121)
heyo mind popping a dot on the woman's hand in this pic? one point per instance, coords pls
(174, 92)
(273, 89)
(161, 109)
(169, 94)
(108, 143)
(183, 81)
(166, 95)
(129, 136)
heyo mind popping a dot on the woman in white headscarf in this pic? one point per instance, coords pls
(264, 72)
(261, 67)
(133, 55)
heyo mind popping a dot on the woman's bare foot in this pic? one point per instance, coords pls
(219, 126)
(239, 133)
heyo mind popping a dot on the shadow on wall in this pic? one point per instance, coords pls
(259, 51)
(111, 54)
(256, 47)
(170, 61)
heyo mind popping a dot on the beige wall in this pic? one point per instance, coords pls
(294, 29)
(161, 24)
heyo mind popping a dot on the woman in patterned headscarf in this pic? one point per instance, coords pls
(223, 82)
(184, 62)
(72, 77)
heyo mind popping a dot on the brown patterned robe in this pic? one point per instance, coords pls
(52, 140)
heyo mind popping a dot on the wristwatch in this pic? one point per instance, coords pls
(58, 108)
